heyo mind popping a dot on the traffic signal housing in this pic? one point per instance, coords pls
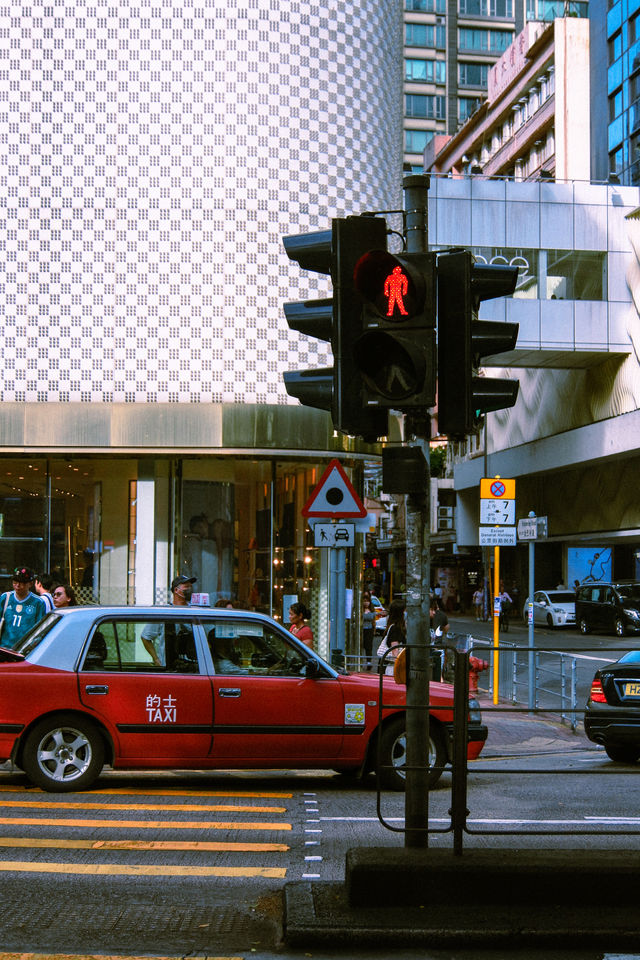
(396, 352)
(463, 340)
(337, 389)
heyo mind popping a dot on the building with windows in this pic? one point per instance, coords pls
(151, 159)
(616, 43)
(573, 428)
(450, 47)
(571, 440)
(529, 126)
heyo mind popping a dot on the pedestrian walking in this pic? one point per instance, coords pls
(64, 596)
(43, 585)
(395, 638)
(298, 613)
(506, 604)
(368, 628)
(153, 635)
(21, 609)
(478, 603)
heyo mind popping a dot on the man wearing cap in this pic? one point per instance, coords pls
(20, 609)
(153, 634)
(181, 590)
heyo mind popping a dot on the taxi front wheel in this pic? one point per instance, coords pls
(62, 753)
(394, 755)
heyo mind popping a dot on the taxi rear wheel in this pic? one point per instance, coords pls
(394, 754)
(63, 753)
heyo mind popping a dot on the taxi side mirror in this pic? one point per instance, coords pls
(311, 668)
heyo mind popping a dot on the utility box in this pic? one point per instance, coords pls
(404, 470)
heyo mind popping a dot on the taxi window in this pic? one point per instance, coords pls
(253, 649)
(157, 646)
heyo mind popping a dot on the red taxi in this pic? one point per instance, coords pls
(192, 687)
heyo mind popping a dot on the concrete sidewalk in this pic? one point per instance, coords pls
(497, 898)
(526, 899)
(512, 733)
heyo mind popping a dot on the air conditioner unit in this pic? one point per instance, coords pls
(445, 523)
(445, 518)
(440, 21)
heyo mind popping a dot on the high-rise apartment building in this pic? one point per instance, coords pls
(618, 29)
(449, 48)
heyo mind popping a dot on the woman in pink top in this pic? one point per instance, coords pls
(298, 613)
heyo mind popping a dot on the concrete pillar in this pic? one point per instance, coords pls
(145, 533)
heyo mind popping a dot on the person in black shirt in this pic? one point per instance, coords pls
(439, 619)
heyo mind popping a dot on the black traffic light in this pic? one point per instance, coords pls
(396, 352)
(337, 389)
(463, 341)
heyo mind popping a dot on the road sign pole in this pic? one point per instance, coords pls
(496, 623)
(341, 590)
(532, 679)
(333, 603)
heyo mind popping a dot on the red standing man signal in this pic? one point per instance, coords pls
(395, 288)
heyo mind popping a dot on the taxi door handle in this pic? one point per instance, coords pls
(97, 688)
(229, 692)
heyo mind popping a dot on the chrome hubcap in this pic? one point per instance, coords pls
(64, 754)
(399, 754)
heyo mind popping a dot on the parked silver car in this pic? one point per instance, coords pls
(555, 608)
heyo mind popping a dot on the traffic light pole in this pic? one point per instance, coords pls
(418, 579)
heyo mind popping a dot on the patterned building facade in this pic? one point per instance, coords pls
(151, 158)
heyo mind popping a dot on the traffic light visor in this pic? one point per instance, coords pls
(490, 280)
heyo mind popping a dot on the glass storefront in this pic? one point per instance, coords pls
(234, 523)
(50, 519)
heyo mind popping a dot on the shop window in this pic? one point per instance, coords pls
(23, 517)
(208, 516)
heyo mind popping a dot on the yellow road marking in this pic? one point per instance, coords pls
(123, 791)
(143, 824)
(216, 807)
(220, 846)
(100, 956)
(141, 870)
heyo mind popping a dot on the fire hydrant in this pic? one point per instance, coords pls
(476, 666)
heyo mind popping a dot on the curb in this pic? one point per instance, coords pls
(485, 898)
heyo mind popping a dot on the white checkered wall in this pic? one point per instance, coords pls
(151, 158)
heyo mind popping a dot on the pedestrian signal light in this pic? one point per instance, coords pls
(395, 353)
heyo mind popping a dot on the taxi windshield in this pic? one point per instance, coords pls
(34, 638)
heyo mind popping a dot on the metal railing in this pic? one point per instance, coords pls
(555, 674)
(458, 824)
(555, 677)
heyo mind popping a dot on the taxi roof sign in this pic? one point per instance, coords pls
(497, 488)
(334, 496)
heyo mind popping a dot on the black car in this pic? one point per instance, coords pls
(612, 714)
(609, 607)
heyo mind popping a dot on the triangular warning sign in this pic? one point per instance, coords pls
(334, 496)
